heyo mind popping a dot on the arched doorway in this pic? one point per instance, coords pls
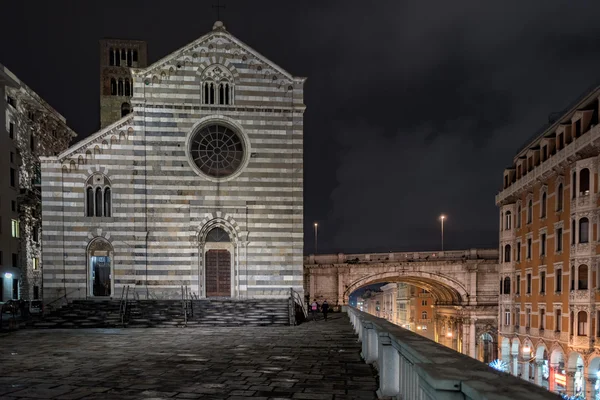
(218, 252)
(486, 348)
(99, 256)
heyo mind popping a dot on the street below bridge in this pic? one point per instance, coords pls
(314, 361)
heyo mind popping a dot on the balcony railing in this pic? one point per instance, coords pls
(413, 367)
(581, 296)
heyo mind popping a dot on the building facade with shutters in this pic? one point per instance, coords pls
(30, 128)
(549, 309)
(199, 188)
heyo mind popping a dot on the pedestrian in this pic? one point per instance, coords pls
(314, 309)
(325, 309)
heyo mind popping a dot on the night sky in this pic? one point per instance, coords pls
(414, 108)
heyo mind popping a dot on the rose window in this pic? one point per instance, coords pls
(217, 151)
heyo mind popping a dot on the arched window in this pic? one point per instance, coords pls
(127, 88)
(89, 199)
(205, 92)
(573, 231)
(129, 58)
(508, 221)
(125, 109)
(560, 198)
(113, 86)
(98, 201)
(584, 228)
(584, 182)
(107, 202)
(507, 253)
(582, 323)
(80, 160)
(217, 235)
(543, 205)
(221, 93)
(217, 87)
(574, 184)
(507, 285)
(98, 196)
(120, 87)
(131, 87)
(519, 216)
(111, 56)
(424, 315)
(529, 211)
(582, 280)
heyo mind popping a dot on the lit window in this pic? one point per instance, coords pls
(35, 263)
(15, 228)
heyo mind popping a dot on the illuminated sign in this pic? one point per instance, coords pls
(560, 379)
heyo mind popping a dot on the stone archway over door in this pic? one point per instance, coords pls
(100, 268)
(218, 265)
(218, 273)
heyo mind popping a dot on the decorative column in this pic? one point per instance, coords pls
(514, 364)
(465, 337)
(590, 387)
(538, 372)
(570, 383)
(340, 290)
(473, 339)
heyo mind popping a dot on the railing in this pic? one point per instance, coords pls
(413, 367)
(296, 298)
(184, 304)
(48, 306)
(454, 255)
(123, 304)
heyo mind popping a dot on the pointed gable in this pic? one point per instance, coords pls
(217, 69)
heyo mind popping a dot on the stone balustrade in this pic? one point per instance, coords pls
(413, 367)
(456, 255)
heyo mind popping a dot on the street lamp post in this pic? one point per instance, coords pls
(316, 237)
(442, 218)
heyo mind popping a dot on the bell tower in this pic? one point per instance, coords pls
(117, 57)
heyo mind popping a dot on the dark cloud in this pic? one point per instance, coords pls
(414, 108)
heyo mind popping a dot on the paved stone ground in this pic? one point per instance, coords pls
(314, 361)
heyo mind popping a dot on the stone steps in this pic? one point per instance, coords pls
(167, 313)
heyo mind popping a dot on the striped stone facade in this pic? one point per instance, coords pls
(162, 208)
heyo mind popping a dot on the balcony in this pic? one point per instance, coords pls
(581, 342)
(582, 249)
(507, 234)
(546, 169)
(583, 202)
(507, 330)
(581, 296)
(506, 299)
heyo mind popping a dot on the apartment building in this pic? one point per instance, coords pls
(29, 128)
(549, 308)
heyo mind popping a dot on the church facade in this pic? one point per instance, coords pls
(199, 188)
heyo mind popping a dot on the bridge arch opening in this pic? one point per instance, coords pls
(444, 290)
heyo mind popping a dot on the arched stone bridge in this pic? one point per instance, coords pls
(464, 284)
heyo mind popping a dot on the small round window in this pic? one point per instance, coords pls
(217, 150)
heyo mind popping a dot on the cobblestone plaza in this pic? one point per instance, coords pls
(317, 360)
